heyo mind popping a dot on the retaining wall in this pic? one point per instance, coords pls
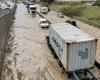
(5, 24)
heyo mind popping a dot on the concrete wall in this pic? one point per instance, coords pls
(5, 24)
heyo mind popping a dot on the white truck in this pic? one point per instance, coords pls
(74, 48)
(32, 8)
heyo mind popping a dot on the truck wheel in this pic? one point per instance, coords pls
(85, 73)
(55, 57)
(63, 70)
(47, 26)
(69, 75)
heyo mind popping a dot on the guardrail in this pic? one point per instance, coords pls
(43, 17)
(6, 11)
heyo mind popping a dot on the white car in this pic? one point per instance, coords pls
(61, 15)
(44, 10)
(7, 5)
(10, 4)
(4, 6)
(44, 23)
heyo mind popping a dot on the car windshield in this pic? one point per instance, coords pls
(44, 22)
(33, 8)
(60, 13)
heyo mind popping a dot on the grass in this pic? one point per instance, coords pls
(56, 6)
(90, 14)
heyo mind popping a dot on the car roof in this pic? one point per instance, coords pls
(44, 7)
(32, 5)
(42, 19)
(60, 13)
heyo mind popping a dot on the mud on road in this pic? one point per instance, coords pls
(28, 57)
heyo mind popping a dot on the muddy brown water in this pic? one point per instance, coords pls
(29, 57)
(83, 26)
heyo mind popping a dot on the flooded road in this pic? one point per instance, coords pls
(29, 57)
(92, 30)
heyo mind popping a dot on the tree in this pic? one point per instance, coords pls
(97, 2)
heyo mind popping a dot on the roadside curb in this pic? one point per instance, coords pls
(43, 17)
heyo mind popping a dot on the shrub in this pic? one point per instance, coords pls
(97, 2)
(45, 4)
(70, 11)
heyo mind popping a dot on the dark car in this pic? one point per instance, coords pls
(72, 22)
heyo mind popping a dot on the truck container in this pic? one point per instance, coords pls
(75, 49)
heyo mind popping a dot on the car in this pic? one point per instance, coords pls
(44, 10)
(61, 15)
(32, 8)
(18, 1)
(43, 23)
(4, 6)
(72, 22)
(10, 4)
(28, 4)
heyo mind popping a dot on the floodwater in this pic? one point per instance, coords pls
(29, 57)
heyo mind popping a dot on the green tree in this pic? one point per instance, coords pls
(97, 2)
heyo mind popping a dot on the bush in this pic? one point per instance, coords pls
(97, 2)
(45, 4)
(75, 3)
(71, 11)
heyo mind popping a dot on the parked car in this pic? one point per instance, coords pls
(10, 4)
(43, 23)
(5, 6)
(18, 1)
(44, 10)
(61, 15)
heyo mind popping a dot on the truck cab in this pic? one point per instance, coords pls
(32, 8)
